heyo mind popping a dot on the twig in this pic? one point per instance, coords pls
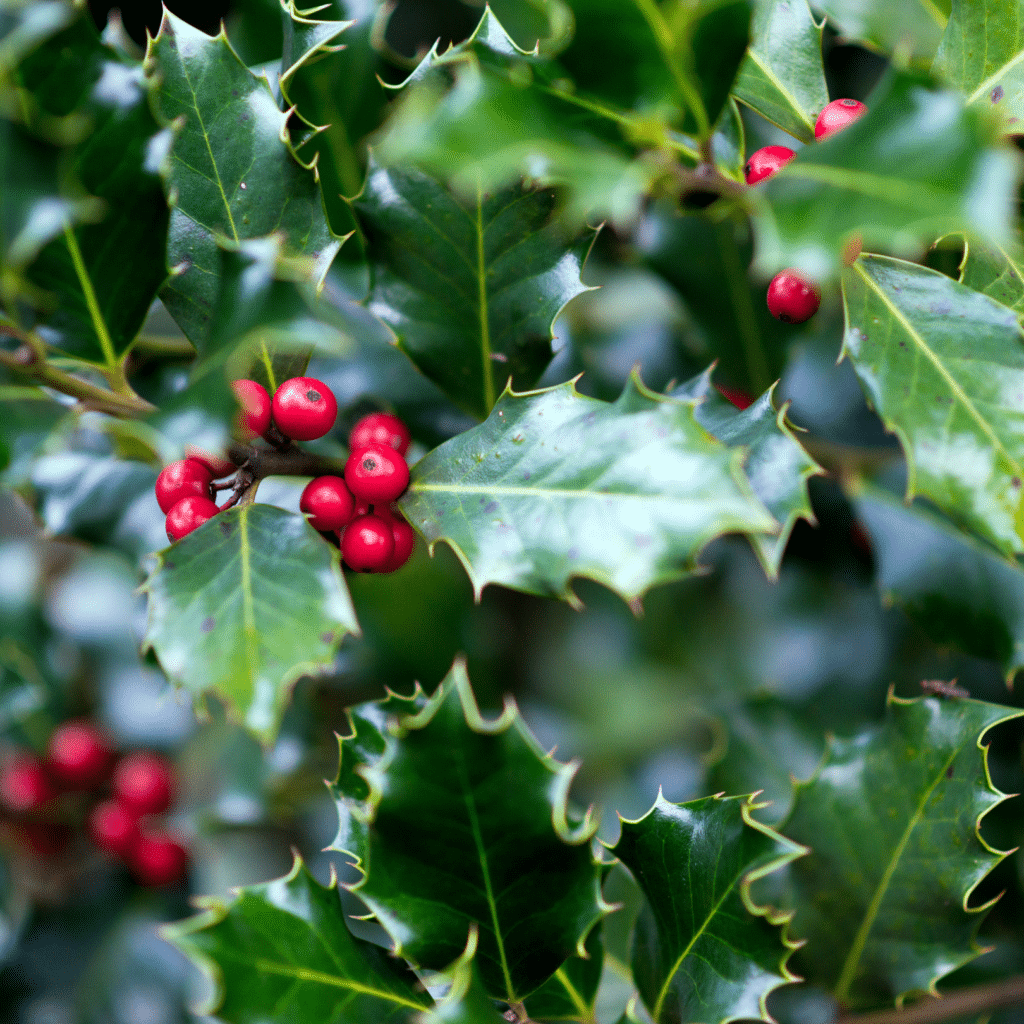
(261, 462)
(964, 1002)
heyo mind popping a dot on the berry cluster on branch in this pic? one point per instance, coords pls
(125, 797)
(353, 508)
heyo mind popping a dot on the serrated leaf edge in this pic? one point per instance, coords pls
(775, 917)
(303, 16)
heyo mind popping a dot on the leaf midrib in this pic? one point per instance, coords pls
(777, 82)
(846, 976)
(950, 380)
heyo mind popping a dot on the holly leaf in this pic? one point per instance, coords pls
(232, 170)
(916, 166)
(471, 290)
(777, 465)
(982, 54)
(285, 944)
(711, 955)
(782, 77)
(485, 115)
(914, 27)
(571, 992)
(953, 403)
(244, 606)
(456, 820)
(94, 299)
(555, 485)
(30, 416)
(466, 1000)
(956, 589)
(996, 270)
(893, 815)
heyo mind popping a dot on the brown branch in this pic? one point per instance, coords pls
(965, 1002)
(262, 462)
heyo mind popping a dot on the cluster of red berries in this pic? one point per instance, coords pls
(791, 298)
(133, 789)
(355, 510)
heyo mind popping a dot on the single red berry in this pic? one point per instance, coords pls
(304, 408)
(404, 537)
(143, 782)
(328, 502)
(188, 515)
(367, 544)
(217, 465)
(254, 416)
(380, 428)
(113, 827)
(24, 784)
(838, 115)
(182, 479)
(157, 858)
(78, 756)
(738, 398)
(765, 162)
(377, 474)
(791, 299)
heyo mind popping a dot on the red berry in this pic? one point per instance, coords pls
(329, 503)
(765, 162)
(304, 408)
(377, 474)
(254, 417)
(78, 755)
(217, 465)
(114, 829)
(367, 544)
(143, 782)
(380, 428)
(791, 299)
(24, 784)
(188, 515)
(404, 537)
(157, 858)
(837, 116)
(182, 479)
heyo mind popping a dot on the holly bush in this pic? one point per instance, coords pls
(759, 582)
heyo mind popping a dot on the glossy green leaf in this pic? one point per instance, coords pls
(727, 306)
(555, 485)
(244, 606)
(915, 26)
(95, 299)
(571, 992)
(916, 166)
(470, 290)
(782, 76)
(996, 270)
(777, 465)
(484, 115)
(944, 368)
(466, 1000)
(232, 169)
(703, 950)
(30, 414)
(284, 945)
(982, 54)
(23, 26)
(457, 821)
(957, 590)
(893, 816)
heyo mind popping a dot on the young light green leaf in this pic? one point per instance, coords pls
(459, 821)
(782, 77)
(244, 606)
(982, 54)
(956, 589)
(777, 465)
(707, 953)
(233, 172)
(555, 485)
(944, 367)
(470, 289)
(916, 166)
(996, 270)
(284, 944)
(893, 817)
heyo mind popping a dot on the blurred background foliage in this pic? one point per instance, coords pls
(727, 681)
